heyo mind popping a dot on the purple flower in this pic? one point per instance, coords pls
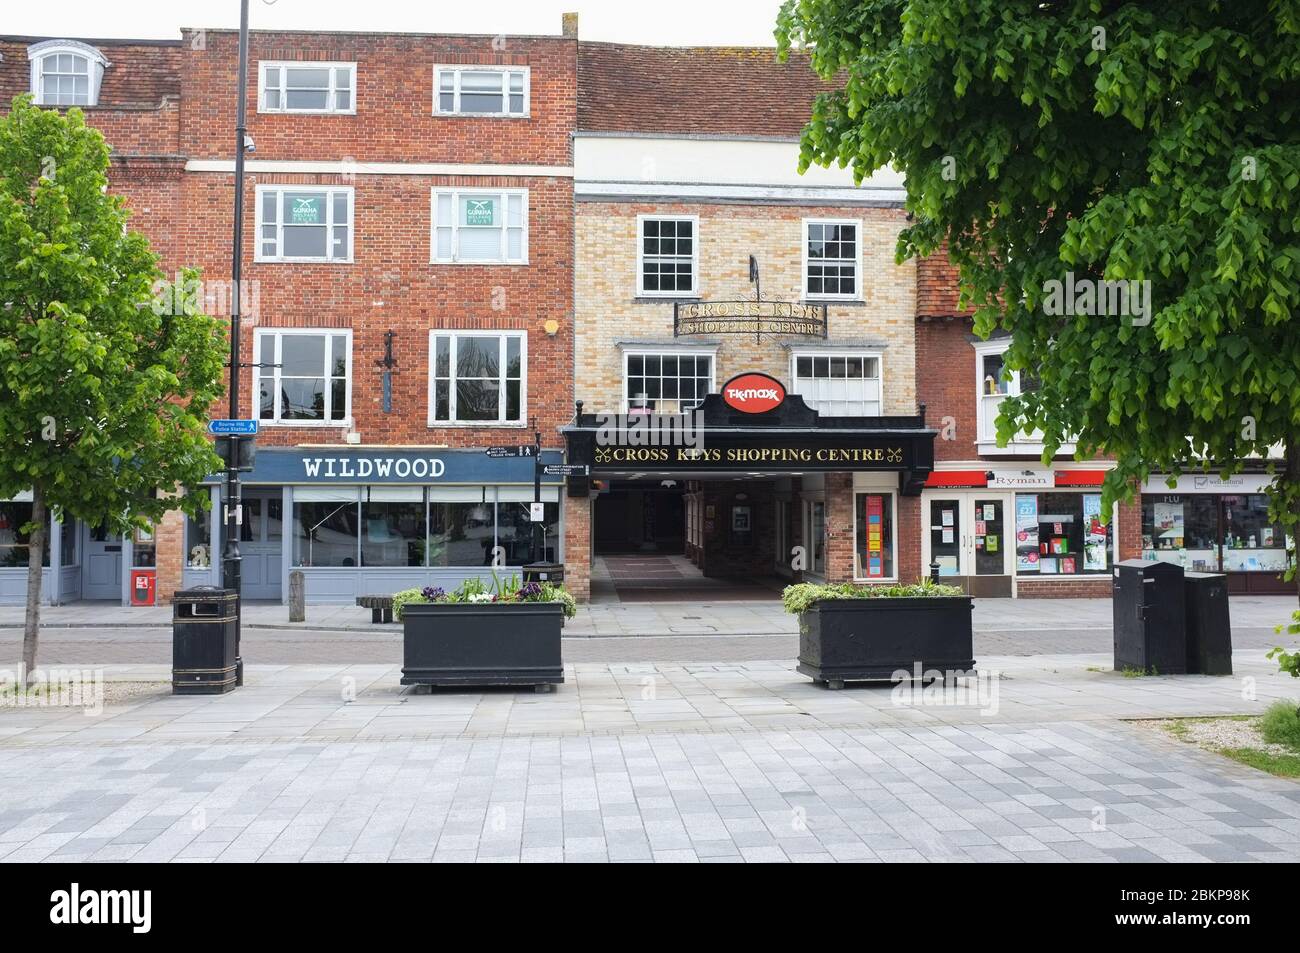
(530, 591)
(433, 593)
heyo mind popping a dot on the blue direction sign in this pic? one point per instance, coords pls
(232, 428)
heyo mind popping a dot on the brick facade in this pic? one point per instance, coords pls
(164, 107)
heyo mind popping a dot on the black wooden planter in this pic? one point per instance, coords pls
(514, 643)
(859, 640)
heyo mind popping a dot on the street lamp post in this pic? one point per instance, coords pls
(231, 558)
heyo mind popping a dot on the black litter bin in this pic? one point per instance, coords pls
(544, 572)
(1209, 629)
(204, 626)
(1149, 614)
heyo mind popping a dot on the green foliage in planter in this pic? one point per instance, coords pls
(476, 591)
(401, 599)
(800, 597)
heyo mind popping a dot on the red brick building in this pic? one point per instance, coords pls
(407, 301)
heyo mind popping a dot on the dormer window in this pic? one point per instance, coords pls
(65, 73)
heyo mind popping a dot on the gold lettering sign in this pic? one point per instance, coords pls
(793, 457)
(750, 317)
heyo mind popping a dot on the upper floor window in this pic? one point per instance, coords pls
(668, 255)
(994, 382)
(307, 87)
(481, 90)
(65, 73)
(477, 226)
(832, 259)
(666, 383)
(307, 378)
(839, 385)
(477, 377)
(301, 223)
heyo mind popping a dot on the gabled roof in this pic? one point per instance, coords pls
(701, 90)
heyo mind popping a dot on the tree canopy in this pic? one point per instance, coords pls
(104, 393)
(1140, 142)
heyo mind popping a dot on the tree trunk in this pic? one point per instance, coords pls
(1292, 478)
(35, 560)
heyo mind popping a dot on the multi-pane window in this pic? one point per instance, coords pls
(839, 385)
(832, 257)
(666, 383)
(996, 382)
(304, 224)
(308, 87)
(477, 378)
(413, 526)
(307, 377)
(481, 91)
(668, 255)
(480, 226)
(65, 73)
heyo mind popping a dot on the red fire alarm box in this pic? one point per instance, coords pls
(143, 584)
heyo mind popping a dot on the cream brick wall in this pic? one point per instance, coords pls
(607, 311)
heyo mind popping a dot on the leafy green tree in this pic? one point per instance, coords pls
(1150, 141)
(103, 390)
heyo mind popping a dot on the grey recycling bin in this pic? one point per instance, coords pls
(204, 627)
(1149, 617)
(544, 572)
(1209, 628)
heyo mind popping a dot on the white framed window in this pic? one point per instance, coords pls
(668, 255)
(481, 90)
(994, 383)
(838, 383)
(65, 73)
(306, 87)
(832, 258)
(478, 377)
(304, 223)
(307, 380)
(479, 226)
(666, 382)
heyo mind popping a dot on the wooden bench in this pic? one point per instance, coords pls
(381, 607)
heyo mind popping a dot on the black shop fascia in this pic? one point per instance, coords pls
(751, 426)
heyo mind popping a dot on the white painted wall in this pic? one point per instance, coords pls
(627, 159)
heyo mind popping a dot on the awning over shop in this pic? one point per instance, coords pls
(1002, 479)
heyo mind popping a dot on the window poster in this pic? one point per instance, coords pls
(1169, 524)
(1094, 534)
(1027, 533)
(947, 517)
(305, 209)
(874, 506)
(990, 512)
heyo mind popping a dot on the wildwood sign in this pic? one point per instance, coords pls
(749, 317)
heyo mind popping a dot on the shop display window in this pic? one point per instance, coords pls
(1206, 532)
(1061, 534)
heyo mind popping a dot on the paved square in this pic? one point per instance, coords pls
(717, 762)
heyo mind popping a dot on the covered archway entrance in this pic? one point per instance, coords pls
(748, 500)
